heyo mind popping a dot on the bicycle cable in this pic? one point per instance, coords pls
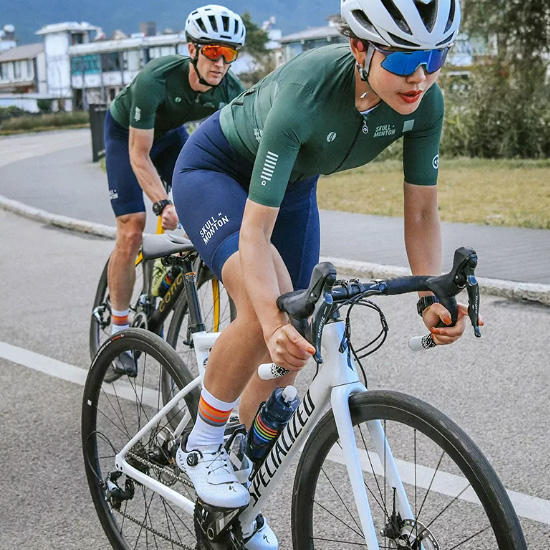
(378, 340)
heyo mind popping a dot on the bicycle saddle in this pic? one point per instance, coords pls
(158, 246)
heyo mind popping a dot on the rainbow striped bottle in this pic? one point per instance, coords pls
(270, 420)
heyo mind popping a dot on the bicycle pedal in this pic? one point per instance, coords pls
(217, 527)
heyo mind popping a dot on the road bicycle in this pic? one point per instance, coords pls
(377, 469)
(150, 312)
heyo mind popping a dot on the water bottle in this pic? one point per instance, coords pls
(160, 288)
(270, 421)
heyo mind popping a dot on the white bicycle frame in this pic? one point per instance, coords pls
(336, 381)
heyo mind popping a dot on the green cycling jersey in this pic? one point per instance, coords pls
(301, 120)
(161, 97)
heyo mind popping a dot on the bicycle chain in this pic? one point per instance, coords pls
(160, 471)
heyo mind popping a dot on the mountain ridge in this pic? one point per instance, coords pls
(29, 16)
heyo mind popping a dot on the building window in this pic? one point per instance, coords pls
(30, 71)
(77, 38)
(87, 64)
(110, 62)
(17, 70)
(4, 74)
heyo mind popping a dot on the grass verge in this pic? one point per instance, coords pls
(491, 192)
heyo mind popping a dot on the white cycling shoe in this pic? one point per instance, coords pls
(264, 538)
(212, 475)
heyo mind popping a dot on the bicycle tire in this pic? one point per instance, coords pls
(313, 527)
(111, 415)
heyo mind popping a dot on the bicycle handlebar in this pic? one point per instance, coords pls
(322, 295)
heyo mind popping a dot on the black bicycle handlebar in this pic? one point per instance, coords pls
(301, 304)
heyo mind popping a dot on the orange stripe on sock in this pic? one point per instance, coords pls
(119, 320)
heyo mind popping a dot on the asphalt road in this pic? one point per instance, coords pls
(496, 388)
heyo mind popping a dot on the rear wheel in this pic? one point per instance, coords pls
(456, 498)
(132, 515)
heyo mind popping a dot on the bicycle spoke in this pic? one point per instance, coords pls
(359, 532)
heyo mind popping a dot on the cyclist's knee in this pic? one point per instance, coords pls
(130, 232)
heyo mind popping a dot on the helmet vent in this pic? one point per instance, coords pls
(363, 20)
(402, 41)
(200, 23)
(428, 13)
(213, 23)
(397, 16)
(446, 41)
(452, 11)
(225, 21)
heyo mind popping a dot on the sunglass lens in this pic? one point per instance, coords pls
(215, 52)
(406, 63)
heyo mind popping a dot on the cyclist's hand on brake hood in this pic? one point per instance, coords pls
(288, 348)
(442, 335)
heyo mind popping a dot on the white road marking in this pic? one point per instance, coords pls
(526, 506)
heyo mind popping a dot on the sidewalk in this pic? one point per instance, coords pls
(64, 182)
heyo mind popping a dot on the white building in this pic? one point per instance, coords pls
(23, 76)
(58, 38)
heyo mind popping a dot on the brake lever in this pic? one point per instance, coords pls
(472, 288)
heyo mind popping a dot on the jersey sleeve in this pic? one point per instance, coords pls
(421, 147)
(147, 96)
(286, 129)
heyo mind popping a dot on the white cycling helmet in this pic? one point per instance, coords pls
(215, 24)
(407, 24)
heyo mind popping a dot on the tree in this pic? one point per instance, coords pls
(504, 112)
(256, 41)
(256, 38)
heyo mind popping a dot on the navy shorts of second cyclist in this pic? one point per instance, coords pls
(210, 192)
(124, 190)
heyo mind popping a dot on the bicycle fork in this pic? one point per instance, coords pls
(345, 384)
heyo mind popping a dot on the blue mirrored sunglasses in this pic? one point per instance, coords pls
(406, 63)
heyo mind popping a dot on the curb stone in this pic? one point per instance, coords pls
(496, 287)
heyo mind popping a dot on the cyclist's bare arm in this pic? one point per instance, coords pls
(140, 145)
(286, 347)
(423, 244)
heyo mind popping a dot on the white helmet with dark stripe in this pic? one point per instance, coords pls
(215, 24)
(404, 24)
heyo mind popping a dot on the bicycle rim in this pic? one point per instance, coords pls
(111, 415)
(457, 500)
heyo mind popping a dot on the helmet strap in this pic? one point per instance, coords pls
(365, 69)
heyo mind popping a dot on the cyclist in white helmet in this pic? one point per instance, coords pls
(255, 165)
(144, 134)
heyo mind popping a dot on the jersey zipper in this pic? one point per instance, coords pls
(360, 129)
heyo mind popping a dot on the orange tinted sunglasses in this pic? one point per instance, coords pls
(214, 52)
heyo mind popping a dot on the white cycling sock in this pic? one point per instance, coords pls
(119, 320)
(212, 417)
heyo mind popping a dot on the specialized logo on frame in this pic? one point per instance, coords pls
(208, 230)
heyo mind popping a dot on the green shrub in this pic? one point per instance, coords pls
(52, 120)
(497, 115)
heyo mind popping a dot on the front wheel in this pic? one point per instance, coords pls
(456, 498)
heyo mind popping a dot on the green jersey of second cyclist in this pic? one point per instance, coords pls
(301, 120)
(161, 97)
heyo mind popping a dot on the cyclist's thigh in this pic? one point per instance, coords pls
(165, 151)
(296, 234)
(210, 206)
(124, 190)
